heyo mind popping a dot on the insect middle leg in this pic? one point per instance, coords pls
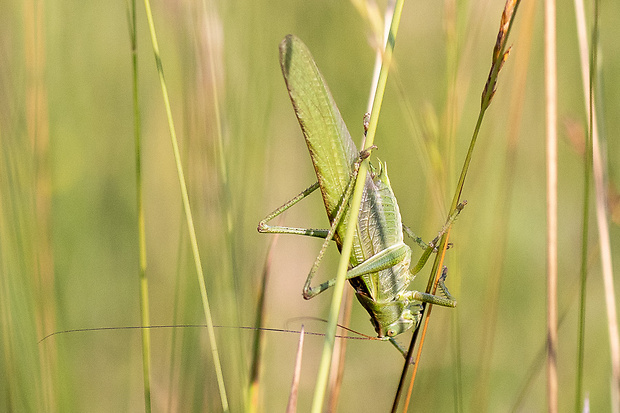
(385, 259)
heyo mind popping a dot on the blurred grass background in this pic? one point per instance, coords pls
(68, 230)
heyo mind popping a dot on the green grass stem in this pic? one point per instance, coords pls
(188, 213)
(590, 71)
(251, 404)
(231, 271)
(500, 54)
(144, 286)
(332, 321)
(587, 177)
(504, 204)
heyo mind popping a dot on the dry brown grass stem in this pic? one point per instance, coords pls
(340, 347)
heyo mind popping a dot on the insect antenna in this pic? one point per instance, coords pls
(360, 336)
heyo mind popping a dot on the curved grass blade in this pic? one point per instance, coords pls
(325, 364)
(323, 126)
(500, 54)
(188, 213)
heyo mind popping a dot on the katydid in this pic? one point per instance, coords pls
(380, 264)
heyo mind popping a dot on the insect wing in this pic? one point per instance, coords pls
(329, 142)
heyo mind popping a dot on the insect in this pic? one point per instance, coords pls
(380, 267)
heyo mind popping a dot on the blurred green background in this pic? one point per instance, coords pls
(68, 229)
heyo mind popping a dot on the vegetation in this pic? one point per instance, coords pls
(69, 221)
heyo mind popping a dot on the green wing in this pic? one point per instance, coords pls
(329, 142)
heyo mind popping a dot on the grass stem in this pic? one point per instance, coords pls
(325, 364)
(188, 213)
(144, 286)
(552, 204)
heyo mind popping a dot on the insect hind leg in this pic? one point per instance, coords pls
(309, 291)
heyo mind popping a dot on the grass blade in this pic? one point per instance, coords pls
(188, 213)
(257, 345)
(587, 89)
(324, 367)
(516, 108)
(589, 71)
(552, 204)
(500, 54)
(144, 286)
(292, 401)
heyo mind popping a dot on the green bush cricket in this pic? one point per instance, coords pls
(380, 268)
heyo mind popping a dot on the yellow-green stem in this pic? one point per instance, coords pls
(330, 334)
(499, 56)
(188, 213)
(144, 285)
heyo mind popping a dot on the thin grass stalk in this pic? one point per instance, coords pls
(489, 324)
(257, 343)
(382, 44)
(179, 376)
(581, 324)
(603, 228)
(188, 213)
(537, 363)
(500, 54)
(38, 152)
(588, 93)
(370, 13)
(588, 71)
(144, 287)
(450, 125)
(427, 315)
(291, 407)
(173, 384)
(24, 388)
(340, 347)
(8, 213)
(458, 363)
(536, 366)
(608, 281)
(324, 367)
(552, 207)
(451, 114)
(230, 272)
